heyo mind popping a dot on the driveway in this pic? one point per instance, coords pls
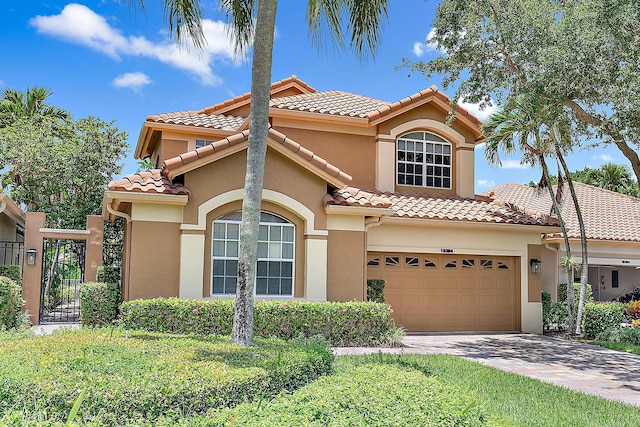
(582, 367)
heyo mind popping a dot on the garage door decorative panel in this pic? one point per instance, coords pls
(431, 292)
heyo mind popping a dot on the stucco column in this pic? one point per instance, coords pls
(385, 164)
(315, 275)
(465, 171)
(191, 264)
(32, 273)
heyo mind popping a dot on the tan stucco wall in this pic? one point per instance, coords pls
(170, 148)
(281, 175)
(473, 240)
(354, 154)
(7, 229)
(154, 269)
(535, 280)
(346, 266)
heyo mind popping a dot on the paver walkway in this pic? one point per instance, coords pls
(582, 367)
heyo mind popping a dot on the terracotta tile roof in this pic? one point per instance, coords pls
(198, 119)
(152, 181)
(607, 215)
(274, 135)
(332, 102)
(439, 207)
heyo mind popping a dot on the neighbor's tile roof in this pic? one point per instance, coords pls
(332, 102)
(607, 215)
(274, 135)
(152, 181)
(198, 119)
(439, 207)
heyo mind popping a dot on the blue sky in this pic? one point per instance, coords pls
(105, 59)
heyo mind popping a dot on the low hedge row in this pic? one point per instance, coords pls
(598, 317)
(341, 323)
(137, 380)
(99, 303)
(10, 304)
(12, 272)
(621, 334)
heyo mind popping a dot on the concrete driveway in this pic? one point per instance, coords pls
(582, 367)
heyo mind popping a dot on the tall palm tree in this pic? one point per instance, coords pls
(538, 131)
(618, 178)
(253, 21)
(30, 104)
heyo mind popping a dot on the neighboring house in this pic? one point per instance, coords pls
(354, 188)
(11, 231)
(612, 224)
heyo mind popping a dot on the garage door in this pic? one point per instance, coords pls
(449, 292)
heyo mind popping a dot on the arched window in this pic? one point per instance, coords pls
(423, 160)
(276, 244)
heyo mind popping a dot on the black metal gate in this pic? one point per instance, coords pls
(62, 273)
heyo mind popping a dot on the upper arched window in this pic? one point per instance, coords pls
(423, 160)
(276, 241)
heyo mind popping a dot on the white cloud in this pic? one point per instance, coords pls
(476, 111)
(419, 48)
(603, 157)
(484, 183)
(134, 81)
(513, 164)
(78, 24)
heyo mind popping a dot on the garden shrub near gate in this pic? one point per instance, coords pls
(341, 323)
(108, 274)
(598, 317)
(12, 272)
(10, 303)
(99, 303)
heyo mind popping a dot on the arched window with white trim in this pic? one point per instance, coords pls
(276, 249)
(423, 160)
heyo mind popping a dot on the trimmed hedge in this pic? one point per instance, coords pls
(147, 377)
(12, 272)
(99, 303)
(621, 334)
(107, 274)
(598, 317)
(341, 323)
(10, 303)
(375, 290)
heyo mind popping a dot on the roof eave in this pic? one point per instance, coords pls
(358, 210)
(457, 223)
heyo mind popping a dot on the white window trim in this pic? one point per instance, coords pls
(424, 164)
(226, 258)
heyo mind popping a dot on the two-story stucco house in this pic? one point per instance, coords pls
(354, 188)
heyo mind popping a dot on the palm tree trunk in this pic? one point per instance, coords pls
(556, 208)
(242, 332)
(584, 275)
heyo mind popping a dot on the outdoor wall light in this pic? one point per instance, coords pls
(536, 265)
(31, 257)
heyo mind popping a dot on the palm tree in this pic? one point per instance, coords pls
(618, 178)
(538, 131)
(16, 105)
(254, 21)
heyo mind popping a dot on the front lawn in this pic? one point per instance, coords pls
(195, 381)
(619, 346)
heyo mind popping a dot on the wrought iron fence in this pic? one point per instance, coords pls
(11, 253)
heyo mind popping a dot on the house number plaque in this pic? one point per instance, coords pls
(446, 251)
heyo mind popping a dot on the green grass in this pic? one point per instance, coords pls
(183, 381)
(628, 348)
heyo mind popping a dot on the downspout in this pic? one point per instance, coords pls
(127, 223)
(368, 223)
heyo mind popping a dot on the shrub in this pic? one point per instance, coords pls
(562, 298)
(598, 317)
(12, 272)
(632, 310)
(99, 303)
(340, 323)
(137, 380)
(621, 334)
(375, 290)
(108, 274)
(10, 303)
(547, 305)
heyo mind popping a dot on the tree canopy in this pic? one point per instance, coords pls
(609, 176)
(60, 169)
(582, 55)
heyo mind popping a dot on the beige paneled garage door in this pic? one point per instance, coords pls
(449, 292)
